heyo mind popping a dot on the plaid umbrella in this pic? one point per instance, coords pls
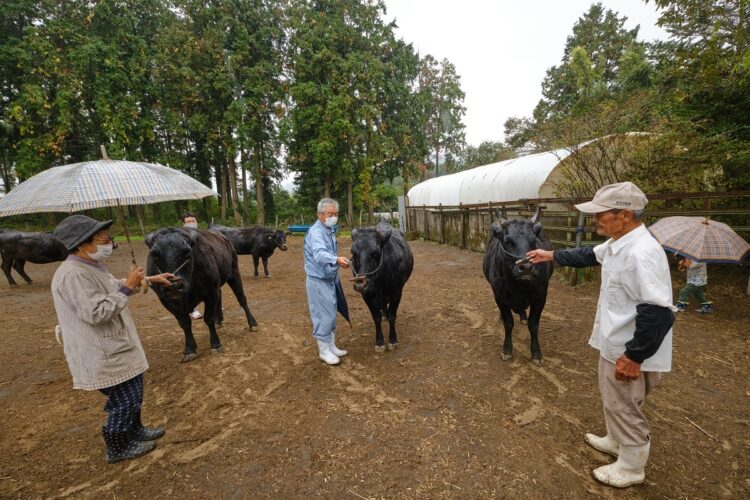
(102, 183)
(700, 239)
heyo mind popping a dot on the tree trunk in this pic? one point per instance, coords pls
(232, 167)
(245, 200)
(437, 159)
(222, 184)
(327, 185)
(350, 203)
(260, 218)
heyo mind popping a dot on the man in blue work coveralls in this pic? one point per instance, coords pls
(321, 266)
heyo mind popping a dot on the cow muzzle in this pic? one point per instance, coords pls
(360, 283)
(176, 287)
(284, 247)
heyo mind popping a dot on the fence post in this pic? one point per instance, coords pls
(463, 225)
(442, 223)
(426, 224)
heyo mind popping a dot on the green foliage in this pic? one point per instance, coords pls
(484, 154)
(689, 97)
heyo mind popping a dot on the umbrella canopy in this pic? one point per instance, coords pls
(700, 239)
(101, 183)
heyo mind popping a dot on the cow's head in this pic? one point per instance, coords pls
(171, 251)
(367, 253)
(517, 237)
(279, 238)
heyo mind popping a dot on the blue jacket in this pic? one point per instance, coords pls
(321, 253)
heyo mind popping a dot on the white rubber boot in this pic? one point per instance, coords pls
(326, 355)
(335, 350)
(604, 444)
(629, 468)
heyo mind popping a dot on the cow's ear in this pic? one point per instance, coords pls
(537, 228)
(288, 233)
(383, 234)
(497, 230)
(354, 233)
(149, 239)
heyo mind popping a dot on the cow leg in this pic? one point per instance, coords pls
(18, 266)
(534, 316)
(191, 348)
(219, 312)
(506, 315)
(212, 301)
(235, 283)
(377, 317)
(392, 310)
(265, 267)
(255, 266)
(7, 264)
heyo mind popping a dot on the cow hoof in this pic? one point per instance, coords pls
(257, 277)
(379, 348)
(537, 362)
(217, 350)
(392, 347)
(254, 328)
(267, 276)
(506, 357)
(188, 357)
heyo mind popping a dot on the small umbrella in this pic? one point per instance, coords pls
(101, 183)
(700, 239)
(341, 305)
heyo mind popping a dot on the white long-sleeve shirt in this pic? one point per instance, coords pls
(635, 271)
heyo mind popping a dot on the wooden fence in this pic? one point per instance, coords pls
(467, 226)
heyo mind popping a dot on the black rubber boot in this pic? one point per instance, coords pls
(120, 446)
(141, 433)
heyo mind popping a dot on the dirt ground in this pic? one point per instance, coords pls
(441, 417)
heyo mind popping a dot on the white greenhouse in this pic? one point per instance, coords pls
(527, 177)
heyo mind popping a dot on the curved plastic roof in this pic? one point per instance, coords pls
(507, 180)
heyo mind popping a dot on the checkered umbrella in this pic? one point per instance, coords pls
(700, 239)
(102, 183)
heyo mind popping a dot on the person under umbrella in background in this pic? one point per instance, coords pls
(697, 279)
(100, 340)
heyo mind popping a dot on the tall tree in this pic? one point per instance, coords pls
(440, 90)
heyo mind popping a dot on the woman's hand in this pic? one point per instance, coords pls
(160, 279)
(134, 278)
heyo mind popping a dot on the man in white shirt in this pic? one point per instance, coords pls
(632, 328)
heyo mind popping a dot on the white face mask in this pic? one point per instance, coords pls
(331, 221)
(191, 224)
(102, 252)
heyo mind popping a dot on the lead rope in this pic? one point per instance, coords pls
(359, 277)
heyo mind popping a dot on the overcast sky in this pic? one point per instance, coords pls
(502, 48)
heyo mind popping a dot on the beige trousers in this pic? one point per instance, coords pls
(622, 401)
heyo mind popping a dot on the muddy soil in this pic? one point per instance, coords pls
(440, 417)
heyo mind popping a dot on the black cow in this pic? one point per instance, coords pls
(16, 248)
(516, 283)
(258, 241)
(202, 262)
(382, 263)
